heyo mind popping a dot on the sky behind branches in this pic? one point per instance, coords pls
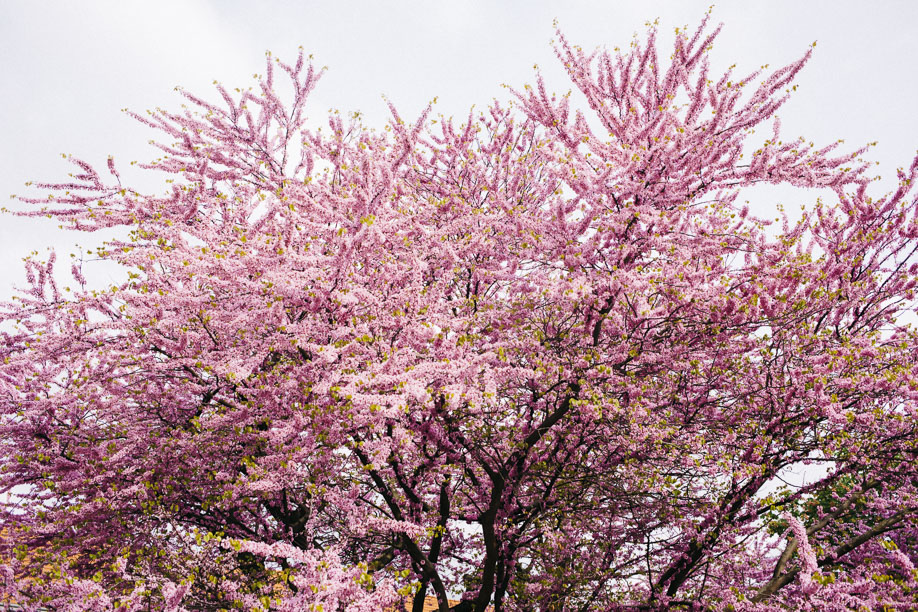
(69, 68)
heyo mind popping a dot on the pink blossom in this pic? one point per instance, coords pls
(541, 357)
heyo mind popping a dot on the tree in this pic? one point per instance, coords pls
(542, 358)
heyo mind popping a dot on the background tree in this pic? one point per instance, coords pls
(540, 358)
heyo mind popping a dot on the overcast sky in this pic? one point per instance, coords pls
(69, 67)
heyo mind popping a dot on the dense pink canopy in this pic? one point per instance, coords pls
(539, 359)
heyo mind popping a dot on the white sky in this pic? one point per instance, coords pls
(67, 69)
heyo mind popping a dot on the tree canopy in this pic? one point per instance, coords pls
(541, 358)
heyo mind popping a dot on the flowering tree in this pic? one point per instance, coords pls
(540, 359)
